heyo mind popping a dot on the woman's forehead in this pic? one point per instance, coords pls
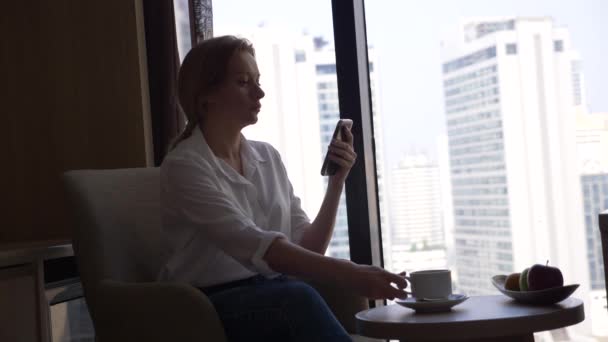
(243, 63)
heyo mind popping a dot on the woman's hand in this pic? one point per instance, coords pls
(343, 154)
(374, 282)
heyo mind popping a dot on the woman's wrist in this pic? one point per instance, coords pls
(339, 269)
(335, 183)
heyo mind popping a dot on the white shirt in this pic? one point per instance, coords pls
(219, 224)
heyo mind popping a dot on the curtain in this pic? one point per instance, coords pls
(163, 66)
(201, 20)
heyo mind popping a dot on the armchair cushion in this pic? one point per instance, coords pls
(156, 312)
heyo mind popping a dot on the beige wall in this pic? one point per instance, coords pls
(73, 96)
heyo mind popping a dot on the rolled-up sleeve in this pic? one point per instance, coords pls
(189, 191)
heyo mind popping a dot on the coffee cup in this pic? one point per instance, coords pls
(430, 284)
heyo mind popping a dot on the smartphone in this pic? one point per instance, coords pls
(329, 168)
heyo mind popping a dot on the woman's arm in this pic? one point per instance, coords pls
(317, 235)
(369, 281)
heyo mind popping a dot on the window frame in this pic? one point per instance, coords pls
(352, 71)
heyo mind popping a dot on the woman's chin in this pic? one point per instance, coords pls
(250, 121)
(254, 118)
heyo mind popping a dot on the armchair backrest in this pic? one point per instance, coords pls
(118, 233)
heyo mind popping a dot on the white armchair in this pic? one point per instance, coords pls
(119, 249)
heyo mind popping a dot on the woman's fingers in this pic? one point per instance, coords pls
(343, 154)
(390, 292)
(344, 151)
(401, 284)
(340, 161)
(397, 279)
(342, 144)
(348, 136)
(397, 293)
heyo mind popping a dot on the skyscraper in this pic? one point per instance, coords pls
(417, 237)
(595, 196)
(289, 117)
(592, 148)
(299, 114)
(512, 86)
(327, 94)
(324, 60)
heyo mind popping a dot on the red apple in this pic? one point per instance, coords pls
(542, 277)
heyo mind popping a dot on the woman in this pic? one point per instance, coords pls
(234, 223)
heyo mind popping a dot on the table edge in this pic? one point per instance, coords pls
(477, 329)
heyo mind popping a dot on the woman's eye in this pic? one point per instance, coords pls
(243, 82)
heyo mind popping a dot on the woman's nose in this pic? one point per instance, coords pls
(259, 93)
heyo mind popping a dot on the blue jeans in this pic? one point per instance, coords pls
(279, 309)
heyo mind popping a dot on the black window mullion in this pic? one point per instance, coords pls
(603, 223)
(352, 69)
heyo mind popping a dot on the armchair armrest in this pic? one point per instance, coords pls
(343, 304)
(155, 312)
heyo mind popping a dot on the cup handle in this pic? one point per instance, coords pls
(409, 293)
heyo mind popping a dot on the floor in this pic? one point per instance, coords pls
(71, 322)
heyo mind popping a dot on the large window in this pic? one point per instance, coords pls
(297, 63)
(489, 141)
(485, 123)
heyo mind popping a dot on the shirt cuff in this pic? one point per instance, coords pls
(258, 257)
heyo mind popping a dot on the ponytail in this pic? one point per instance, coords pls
(186, 133)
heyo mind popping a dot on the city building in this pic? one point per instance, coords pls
(288, 119)
(592, 142)
(299, 114)
(326, 85)
(417, 235)
(512, 88)
(592, 147)
(329, 113)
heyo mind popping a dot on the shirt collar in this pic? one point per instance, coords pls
(250, 157)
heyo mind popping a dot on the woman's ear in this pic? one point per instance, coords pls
(209, 98)
(202, 103)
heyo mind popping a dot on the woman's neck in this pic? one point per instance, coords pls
(224, 141)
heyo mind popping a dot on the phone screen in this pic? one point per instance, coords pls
(329, 168)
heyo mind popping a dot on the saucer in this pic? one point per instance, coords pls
(423, 306)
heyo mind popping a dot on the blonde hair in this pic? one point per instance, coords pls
(203, 70)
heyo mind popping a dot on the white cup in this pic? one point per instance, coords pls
(430, 284)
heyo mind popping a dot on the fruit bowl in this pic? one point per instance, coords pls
(541, 297)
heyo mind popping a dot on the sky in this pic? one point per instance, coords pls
(407, 35)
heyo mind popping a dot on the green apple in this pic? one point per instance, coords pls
(523, 280)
